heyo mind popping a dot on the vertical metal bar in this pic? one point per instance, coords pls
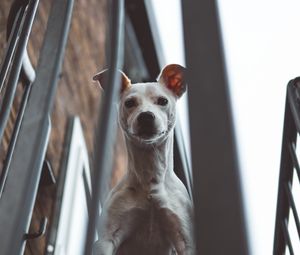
(288, 191)
(17, 201)
(219, 212)
(11, 46)
(286, 235)
(16, 65)
(181, 159)
(292, 150)
(13, 139)
(107, 119)
(293, 94)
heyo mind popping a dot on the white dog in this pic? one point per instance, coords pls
(149, 211)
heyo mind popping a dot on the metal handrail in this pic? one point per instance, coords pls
(288, 191)
(13, 139)
(107, 119)
(292, 150)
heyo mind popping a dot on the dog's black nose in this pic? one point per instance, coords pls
(146, 117)
(146, 124)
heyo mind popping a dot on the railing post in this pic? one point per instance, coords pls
(219, 214)
(106, 132)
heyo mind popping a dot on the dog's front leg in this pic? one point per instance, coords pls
(183, 240)
(179, 231)
(108, 242)
(104, 247)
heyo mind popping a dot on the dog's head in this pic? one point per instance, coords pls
(147, 110)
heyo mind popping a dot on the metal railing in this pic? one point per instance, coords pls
(23, 164)
(21, 18)
(288, 166)
(106, 132)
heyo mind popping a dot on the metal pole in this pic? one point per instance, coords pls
(14, 137)
(106, 132)
(219, 213)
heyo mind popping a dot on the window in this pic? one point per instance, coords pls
(73, 195)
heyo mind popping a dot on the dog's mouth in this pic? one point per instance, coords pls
(148, 136)
(146, 132)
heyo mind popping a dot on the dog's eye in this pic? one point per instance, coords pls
(130, 103)
(162, 101)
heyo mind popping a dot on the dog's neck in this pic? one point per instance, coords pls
(151, 164)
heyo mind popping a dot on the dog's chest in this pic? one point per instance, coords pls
(150, 233)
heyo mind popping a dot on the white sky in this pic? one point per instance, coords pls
(262, 49)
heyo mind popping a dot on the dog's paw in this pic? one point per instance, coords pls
(102, 248)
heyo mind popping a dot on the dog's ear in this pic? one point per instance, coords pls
(173, 77)
(102, 77)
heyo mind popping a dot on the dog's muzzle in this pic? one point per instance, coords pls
(146, 124)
